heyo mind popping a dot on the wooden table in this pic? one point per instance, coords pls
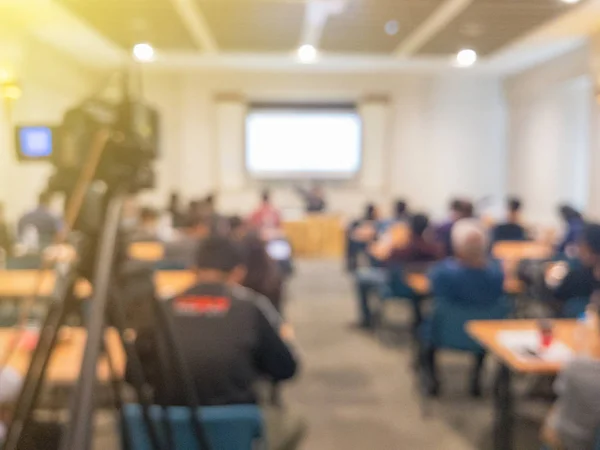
(146, 251)
(316, 236)
(486, 333)
(22, 283)
(519, 250)
(66, 359)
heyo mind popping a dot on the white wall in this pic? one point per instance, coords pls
(550, 136)
(51, 83)
(444, 135)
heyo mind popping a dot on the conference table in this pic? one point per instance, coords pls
(316, 236)
(489, 334)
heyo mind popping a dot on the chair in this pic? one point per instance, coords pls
(574, 307)
(238, 427)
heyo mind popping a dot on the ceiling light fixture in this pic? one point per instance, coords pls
(307, 54)
(570, 2)
(391, 27)
(466, 57)
(143, 52)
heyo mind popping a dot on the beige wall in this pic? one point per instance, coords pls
(443, 136)
(51, 84)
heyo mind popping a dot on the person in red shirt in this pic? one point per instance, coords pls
(266, 216)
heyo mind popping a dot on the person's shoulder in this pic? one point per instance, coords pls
(257, 301)
(442, 269)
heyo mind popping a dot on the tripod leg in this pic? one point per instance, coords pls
(39, 361)
(183, 375)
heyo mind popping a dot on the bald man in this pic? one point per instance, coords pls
(469, 280)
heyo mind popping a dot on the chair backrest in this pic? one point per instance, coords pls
(448, 323)
(238, 427)
(574, 307)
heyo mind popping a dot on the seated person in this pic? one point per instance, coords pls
(147, 227)
(266, 215)
(580, 280)
(511, 230)
(574, 224)
(574, 421)
(401, 213)
(417, 249)
(183, 249)
(459, 209)
(469, 279)
(230, 337)
(359, 234)
(42, 220)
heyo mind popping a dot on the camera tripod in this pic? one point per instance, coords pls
(101, 262)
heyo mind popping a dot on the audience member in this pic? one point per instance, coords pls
(417, 249)
(401, 213)
(46, 224)
(182, 251)
(574, 224)
(574, 421)
(511, 230)
(6, 240)
(147, 228)
(359, 234)
(237, 228)
(230, 338)
(459, 209)
(266, 216)
(580, 280)
(178, 219)
(468, 280)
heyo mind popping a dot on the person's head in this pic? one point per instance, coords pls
(261, 272)
(400, 209)
(589, 245)
(466, 209)
(44, 199)
(418, 224)
(197, 226)
(568, 213)
(148, 216)
(237, 227)
(513, 206)
(371, 212)
(219, 260)
(470, 242)
(455, 209)
(266, 196)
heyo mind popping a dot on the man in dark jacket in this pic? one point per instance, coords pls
(231, 337)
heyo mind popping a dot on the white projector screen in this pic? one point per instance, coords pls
(314, 143)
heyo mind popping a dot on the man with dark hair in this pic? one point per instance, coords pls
(231, 337)
(182, 251)
(147, 227)
(418, 248)
(574, 224)
(42, 220)
(459, 209)
(511, 230)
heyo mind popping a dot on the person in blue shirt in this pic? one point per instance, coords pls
(470, 279)
(360, 233)
(511, 230)
(42, 219)
(574, 223)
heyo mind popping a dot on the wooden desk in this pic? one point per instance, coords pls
(66, 360)
(486, 333)
(22, 283)
(518, 250)
(316, 236)
(146, 251)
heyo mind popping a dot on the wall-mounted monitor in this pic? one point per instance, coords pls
(34, 143)
(303, 141)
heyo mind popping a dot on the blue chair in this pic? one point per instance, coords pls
(238, 427)
(574, 307)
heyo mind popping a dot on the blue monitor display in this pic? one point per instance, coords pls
(34, 142)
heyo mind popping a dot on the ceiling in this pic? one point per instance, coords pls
(346, 32)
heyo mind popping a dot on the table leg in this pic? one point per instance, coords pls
(503, 410)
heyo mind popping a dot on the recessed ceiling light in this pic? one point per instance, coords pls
(570, 2)
(143, 52)
(391, 27)
(466, 57)
(307, 54)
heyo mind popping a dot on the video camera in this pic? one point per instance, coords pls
(133, 143)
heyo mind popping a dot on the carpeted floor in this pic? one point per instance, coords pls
(359, 394)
